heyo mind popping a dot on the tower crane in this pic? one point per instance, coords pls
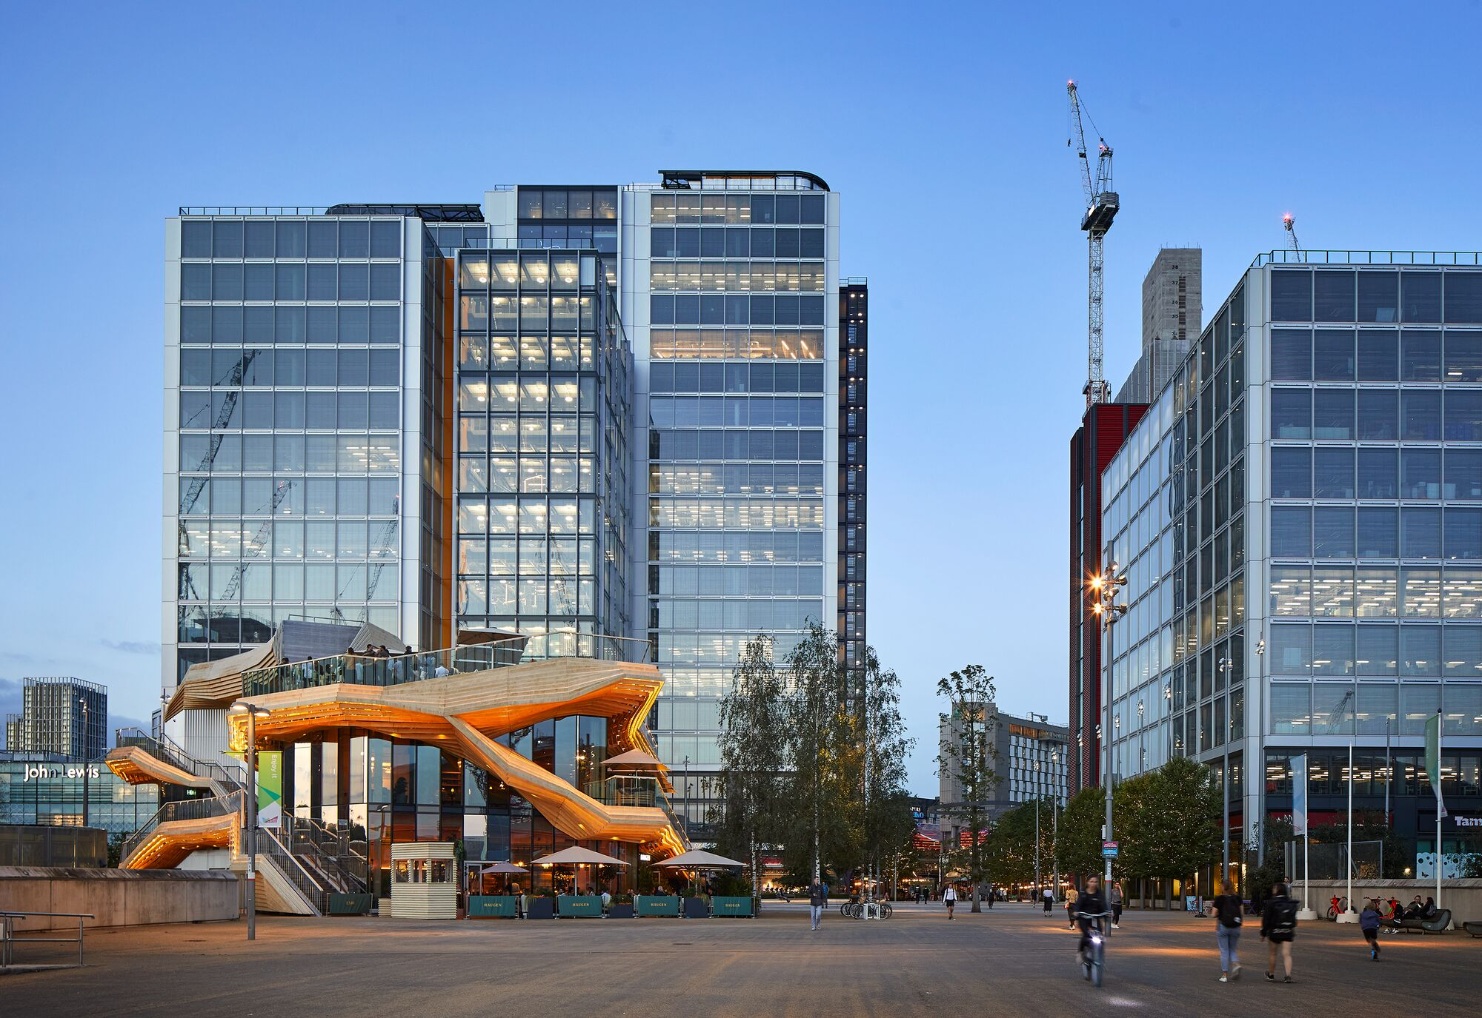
(1289, 223)
(1101, 208)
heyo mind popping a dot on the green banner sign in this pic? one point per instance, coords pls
(270, 788)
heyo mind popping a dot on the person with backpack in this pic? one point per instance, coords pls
(1227, 908)
(1279, 929)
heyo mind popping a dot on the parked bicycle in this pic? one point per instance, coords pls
(1337, 905)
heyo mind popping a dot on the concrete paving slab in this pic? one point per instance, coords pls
(1011, 960)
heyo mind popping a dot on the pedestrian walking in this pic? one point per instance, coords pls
(1071, 894)
(1279, 929)
(1227, 908)
(1369, 923)
(817, 902)
(1049, 897)
(950, 897)
(1115, 900)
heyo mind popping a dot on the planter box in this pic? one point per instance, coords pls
(351, 904)
(650, 904)
(492, 906)
(620, 912)
(696, 908)
(541, 908)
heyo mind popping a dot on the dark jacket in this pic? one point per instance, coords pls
(1369, 918)
(818, 894)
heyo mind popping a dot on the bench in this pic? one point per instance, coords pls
(1440, 924)
(1473, 927)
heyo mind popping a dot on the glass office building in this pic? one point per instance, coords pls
(1299, 517)
(573, 412)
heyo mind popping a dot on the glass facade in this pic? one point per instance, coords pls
(741, 300)
(603, 412)
(287, 392)
(1300, 519)
(48, 790)
(543, 398)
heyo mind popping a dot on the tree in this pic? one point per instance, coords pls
(966, 758)
(1081, 821)
(887, 824)
(825, 749)
(1171, 824)
(754, 757)
(1012, 843)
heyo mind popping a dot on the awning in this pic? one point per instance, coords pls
(633, 759)
(503, 867)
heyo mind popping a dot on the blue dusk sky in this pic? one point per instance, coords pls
(944, 128)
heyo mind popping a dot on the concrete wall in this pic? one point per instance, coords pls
(117, 897)
(1462, 897)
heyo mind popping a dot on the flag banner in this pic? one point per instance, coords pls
(1299, 794)
(1433, 760)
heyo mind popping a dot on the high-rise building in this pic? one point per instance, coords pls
(60, 716)
(588, 414)
(1172, 301)
(1299, 519)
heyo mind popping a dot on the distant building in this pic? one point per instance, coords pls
(1030, 761)
(1172, 302)
(60, 715)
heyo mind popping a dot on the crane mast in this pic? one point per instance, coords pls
(1101, 208)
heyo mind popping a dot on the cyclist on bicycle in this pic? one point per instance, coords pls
(1088, 908)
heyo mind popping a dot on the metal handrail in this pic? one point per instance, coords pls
(187, 809)
(294, 870)
(399, 669)
(8, 939)
(1286, 256)
(253, 210)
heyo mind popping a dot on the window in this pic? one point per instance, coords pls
(1332, 414)
(1291, 413)
(1377, 473)
(1463, 297)
(1291, 472)
(1291, 355)
(1333, 354)
(1378, 296)
(1333, 295)
(1420, 296)
(1378, 415)
(1291, 295)
(1291, 532)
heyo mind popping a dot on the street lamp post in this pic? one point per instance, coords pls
(1350, 915)
(82, 701)
(253, 712)
(1104, 590)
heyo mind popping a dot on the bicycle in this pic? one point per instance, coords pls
(1093, 955)
(1337, 905)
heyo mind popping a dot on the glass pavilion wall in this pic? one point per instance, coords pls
(1322, 447)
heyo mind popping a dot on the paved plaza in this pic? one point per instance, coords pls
(1010, 960)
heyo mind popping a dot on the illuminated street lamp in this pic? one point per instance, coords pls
(253, 712)
(1104, 589)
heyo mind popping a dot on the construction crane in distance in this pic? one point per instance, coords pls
(1101, 208)
(1289, 223)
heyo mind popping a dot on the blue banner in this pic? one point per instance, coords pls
(1299, 794)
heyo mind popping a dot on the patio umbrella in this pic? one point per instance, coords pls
(697, 859)
(576, 855)
(503, 867)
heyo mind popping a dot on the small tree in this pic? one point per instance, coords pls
(1172, 822)
(753, 752)
(966, 759)
(1011, 844)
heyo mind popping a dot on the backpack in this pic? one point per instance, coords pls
(1283, 919)
(1229, 911)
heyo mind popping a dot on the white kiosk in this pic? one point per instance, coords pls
(424, 881)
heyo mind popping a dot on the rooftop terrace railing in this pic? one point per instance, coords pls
(1335, 257)
(253, 210)
(396, 670)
